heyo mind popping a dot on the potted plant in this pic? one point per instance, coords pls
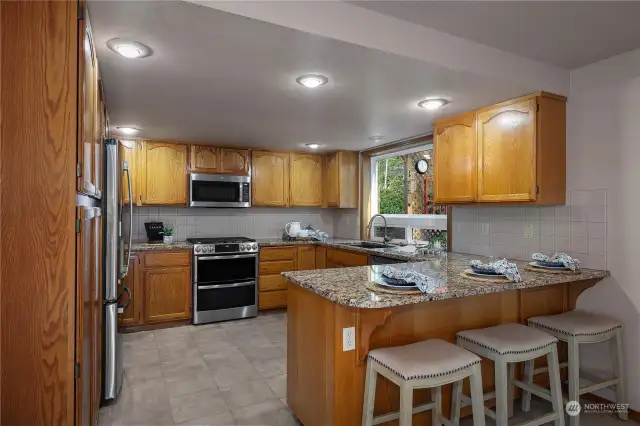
(167, 235)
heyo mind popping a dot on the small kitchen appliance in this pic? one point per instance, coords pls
(225, 278)
(292, 229)
(154, 230)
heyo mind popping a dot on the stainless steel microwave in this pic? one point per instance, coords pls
(219, 190)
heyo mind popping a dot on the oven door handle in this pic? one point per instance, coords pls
(217, 286)
(235, 256)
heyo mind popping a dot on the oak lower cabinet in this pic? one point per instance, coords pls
(306, 183)
(161, 288)
(167, 293)
(306, 258)
(270, 178)
(344, 259)
(163, 173)
(272, 287)
(342, 179)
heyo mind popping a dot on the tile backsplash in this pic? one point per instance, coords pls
(578, 228)
(255, 222)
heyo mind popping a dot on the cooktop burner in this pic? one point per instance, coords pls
(220, 240)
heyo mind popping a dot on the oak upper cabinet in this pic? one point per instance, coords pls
(167, 294)
(306, 180)
(235, 161)
(130, 151)
(507, 152)
(205, 159)
(454, 142)
(164, 173)
(270, 178)
(342, 179)
(520, 153)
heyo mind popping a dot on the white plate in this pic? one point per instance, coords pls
(552, 268)
(396, 287)
(478, 274)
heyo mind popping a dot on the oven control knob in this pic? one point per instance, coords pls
(197, 249)
(255, 246)
(209, 249)
(243, 247)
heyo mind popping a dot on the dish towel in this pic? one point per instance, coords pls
(564, 258)
(510, 270)
(425, 284)
(318, 235)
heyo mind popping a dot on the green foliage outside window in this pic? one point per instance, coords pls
(391, 185)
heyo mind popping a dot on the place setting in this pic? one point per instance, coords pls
(559, 263)
(500, 271)
(403, 280)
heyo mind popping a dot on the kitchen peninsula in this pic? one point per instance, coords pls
(326, 384)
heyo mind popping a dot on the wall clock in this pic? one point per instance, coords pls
(422, 166)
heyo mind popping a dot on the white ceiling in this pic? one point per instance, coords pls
(569, 34)
(220, 78)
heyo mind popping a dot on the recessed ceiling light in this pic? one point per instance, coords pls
(432, 104)
(313, 145)
(127, 130)
(376, 138)
(312, 81)
(129, 49)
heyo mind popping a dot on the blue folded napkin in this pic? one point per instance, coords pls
(502, 267)
(423, 282)
(563, 258)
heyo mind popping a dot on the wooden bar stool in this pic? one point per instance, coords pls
(428, 364)
(505, 345)
(576, 327)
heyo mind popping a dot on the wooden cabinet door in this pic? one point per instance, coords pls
(306, 180)
(270, 179)
(167, 293)
(234, 161)
(132, 314)
(306, 258)
(129, 151)
(507, 152)
(87, 106)
(321, 257)
(454, 142)
(164, 168)
(333, 180)
(205, 159)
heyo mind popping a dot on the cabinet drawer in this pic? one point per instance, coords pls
(346, 258)
(175, 258)
(277, 253)
(272, 299)
(272, 282)
(274, 268)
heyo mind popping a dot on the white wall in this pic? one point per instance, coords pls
(603, 169)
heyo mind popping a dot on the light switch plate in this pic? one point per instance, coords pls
(484, 228)
(528, 231)
(348, 339)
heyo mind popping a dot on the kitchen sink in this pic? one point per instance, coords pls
(370, 244)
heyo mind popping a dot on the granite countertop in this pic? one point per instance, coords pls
(178, 245)
(346, 286)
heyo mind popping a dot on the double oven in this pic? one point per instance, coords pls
(225, 279)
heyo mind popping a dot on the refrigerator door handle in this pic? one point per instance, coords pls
(125, 268)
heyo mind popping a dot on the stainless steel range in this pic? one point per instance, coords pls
(225, 279)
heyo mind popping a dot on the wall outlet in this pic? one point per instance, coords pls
(484, 228)
(528, 231)
(348, 339)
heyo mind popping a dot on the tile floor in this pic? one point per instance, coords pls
(231, 373)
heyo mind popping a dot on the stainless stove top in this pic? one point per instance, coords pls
(223, 245)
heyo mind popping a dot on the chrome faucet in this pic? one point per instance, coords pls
(384, 238)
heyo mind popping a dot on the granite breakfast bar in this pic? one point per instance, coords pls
(325, 384)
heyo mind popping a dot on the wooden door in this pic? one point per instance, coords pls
(130, 151)
(234, 161)
(306, 258)
(306, 180)
(167, 293)
(164, 173)
(333, 180)
(270, 179)
(205, 159)
(454, 142)
(507, 152)
(132, 314)
(321, 257)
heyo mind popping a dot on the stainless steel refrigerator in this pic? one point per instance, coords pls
(116, 266)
